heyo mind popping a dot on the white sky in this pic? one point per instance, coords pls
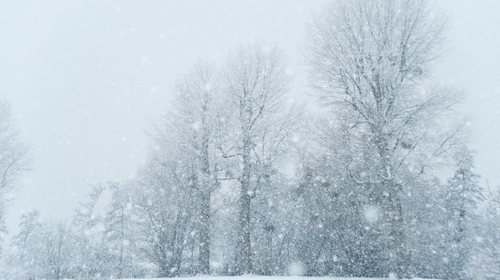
(86, 77)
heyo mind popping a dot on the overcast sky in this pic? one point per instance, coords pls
(86, 77)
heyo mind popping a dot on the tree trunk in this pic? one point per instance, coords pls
(245, 265)
(204, 245)
(205, 192)
(398, 231)
(245, 249)
(394, 190)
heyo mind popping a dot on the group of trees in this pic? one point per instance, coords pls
(239, 181)
(220, 149)
(99, 242)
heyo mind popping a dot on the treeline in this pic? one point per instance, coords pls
(240, 181)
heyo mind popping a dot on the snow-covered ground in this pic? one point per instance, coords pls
(254, 277)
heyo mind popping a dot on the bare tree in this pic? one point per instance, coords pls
(14, 158)
(26, 259)
(121, 233)
(371, 60)
(93, 254)
(256, 81)
(195, 121)
(165, 205)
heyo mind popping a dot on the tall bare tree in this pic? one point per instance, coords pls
(186, 155)
(371, 60)
(198, 95)
(256, 81)
(194, 121)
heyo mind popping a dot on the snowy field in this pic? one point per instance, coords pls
(251, 277)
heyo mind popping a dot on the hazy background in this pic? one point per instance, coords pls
(85, 78)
